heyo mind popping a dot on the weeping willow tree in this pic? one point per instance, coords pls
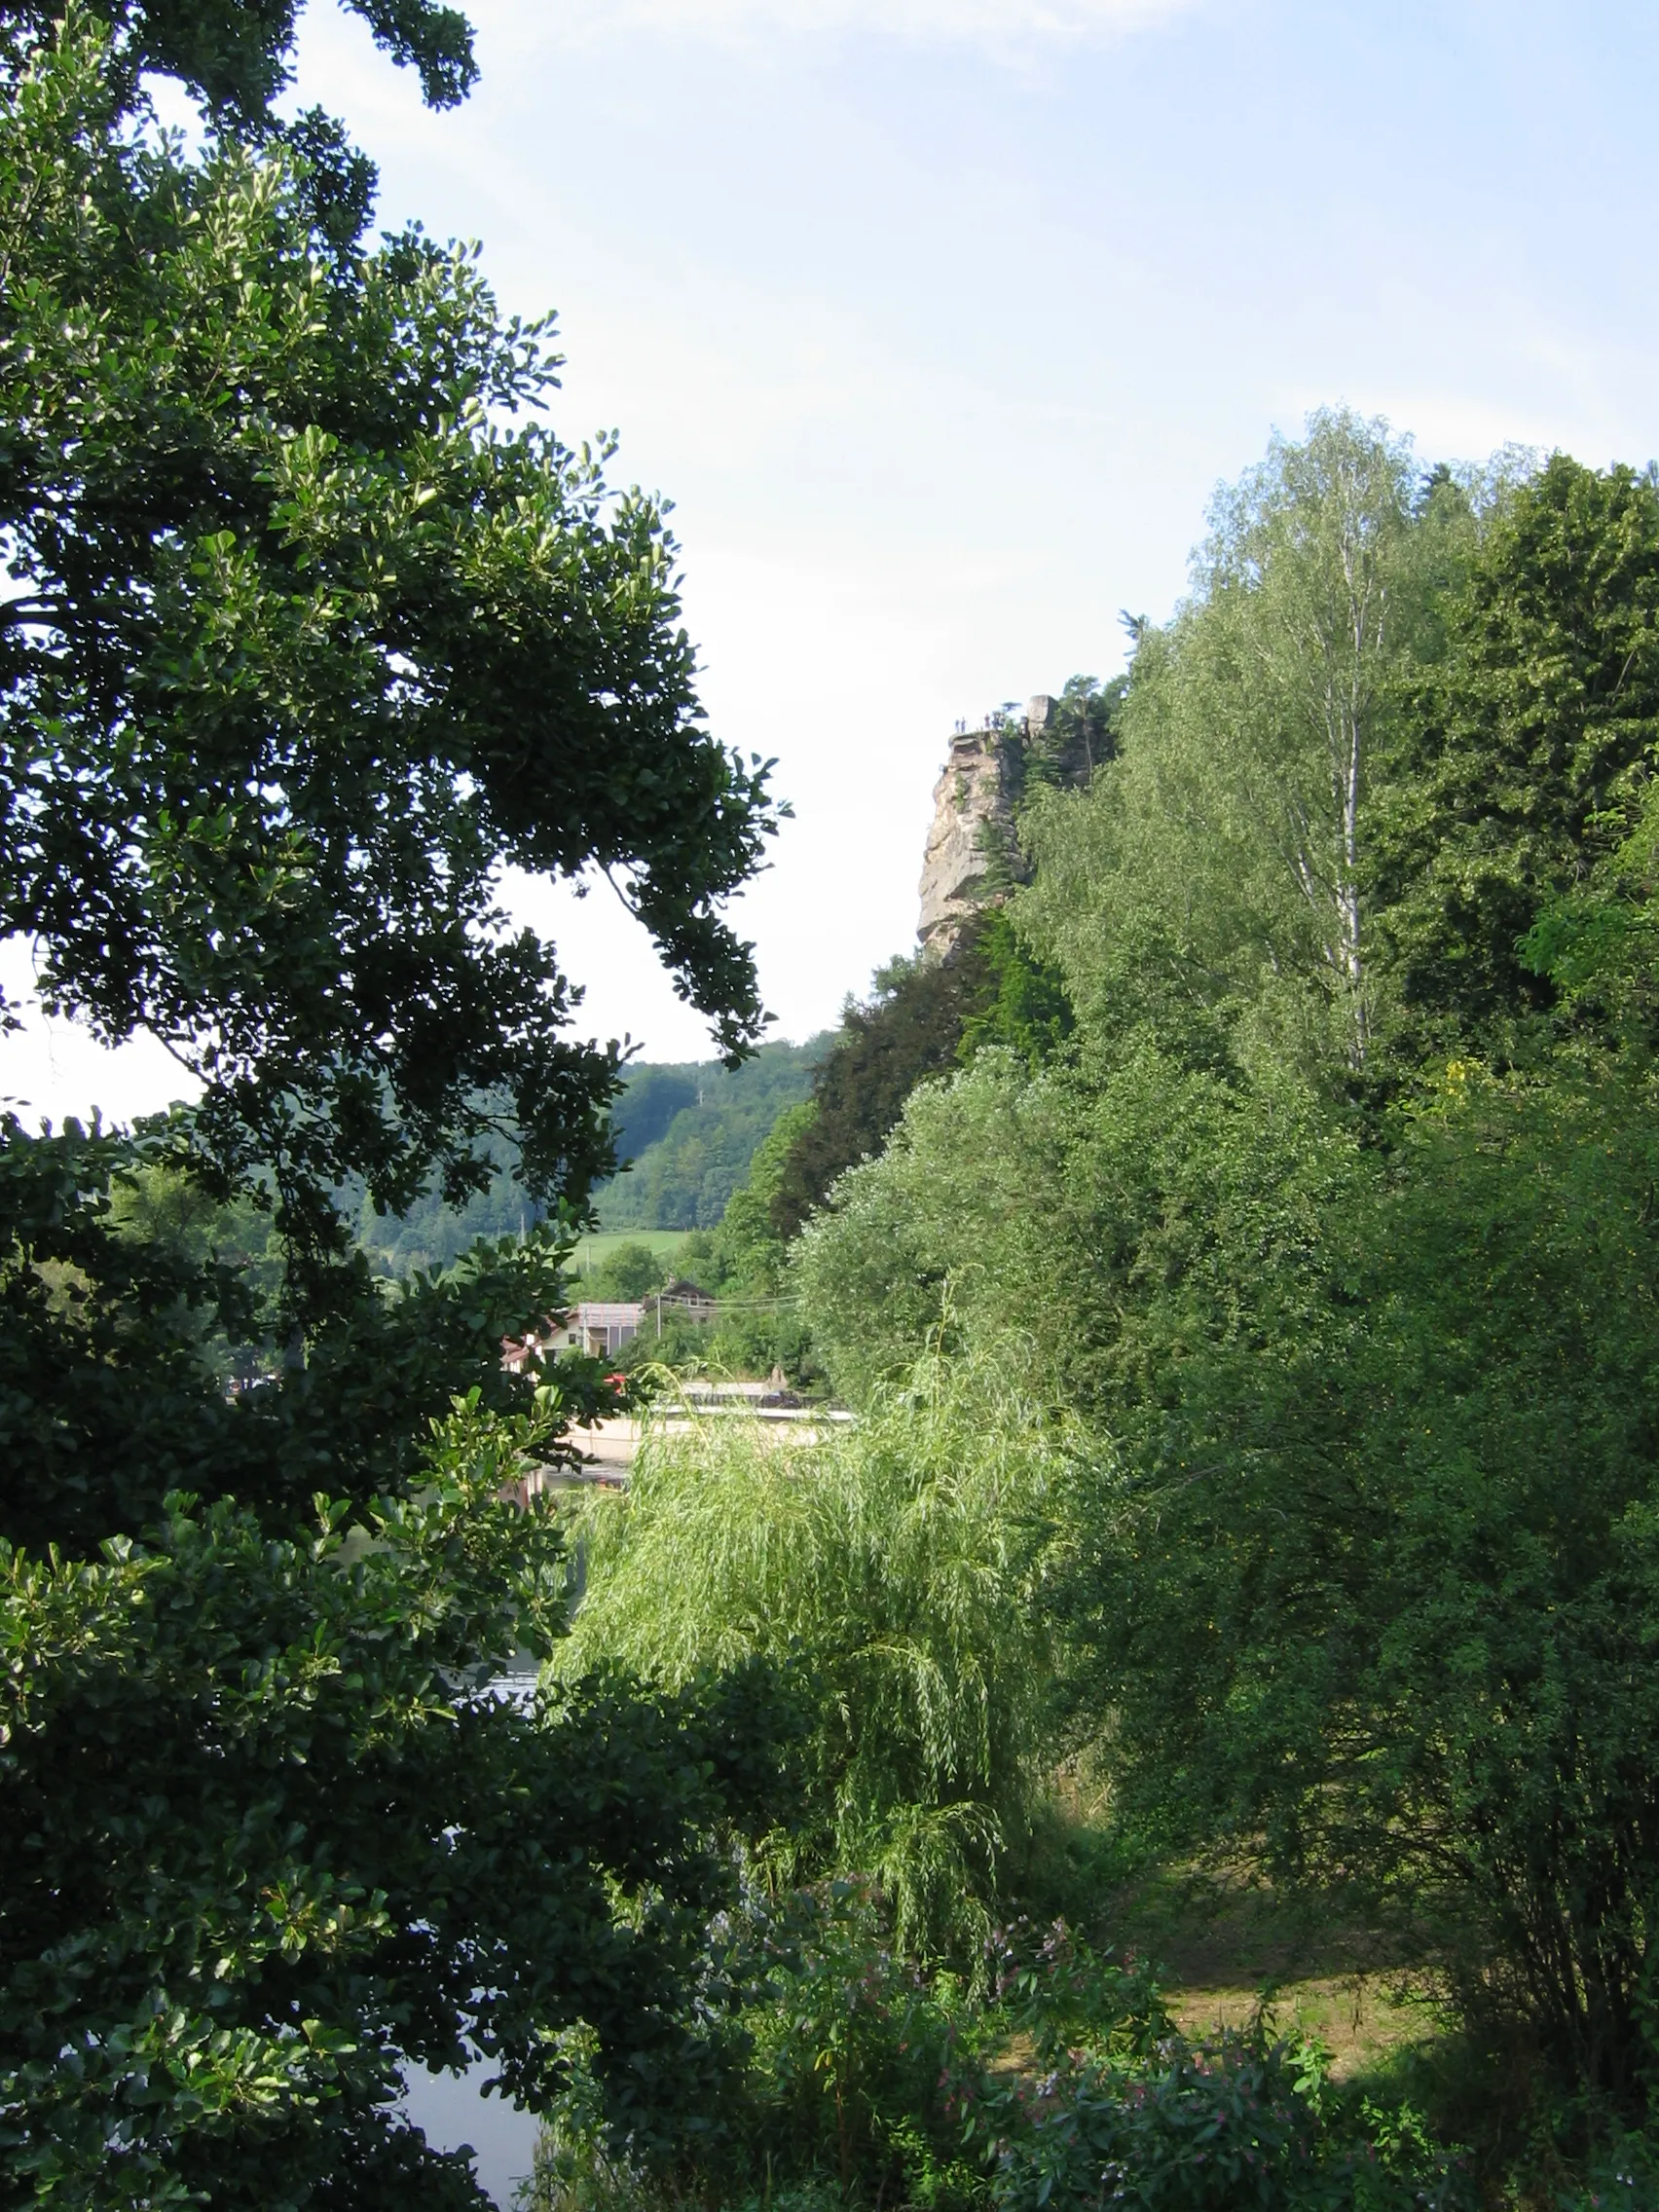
(892, 1567)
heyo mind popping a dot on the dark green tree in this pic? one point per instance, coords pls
(1082, 735)
(909, 1029)
(307, 638)
(236, 58)
(1523, 761)
(116, 1335)
(1373, 1580)
(1022, 1001)
(271, 1836)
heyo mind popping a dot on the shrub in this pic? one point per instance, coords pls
(1239, 2126)
(1059, 2087)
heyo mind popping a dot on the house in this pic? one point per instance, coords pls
(686, 1298)
(529, 1350)
(601, 1329)
(598, 1328)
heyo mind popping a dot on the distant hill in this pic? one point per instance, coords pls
(431, 1235)
(690, 1131)
(689, 1127)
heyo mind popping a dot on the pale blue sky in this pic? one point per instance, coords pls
(939, 320)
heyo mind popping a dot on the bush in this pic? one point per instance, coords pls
(1239, 2126)
(859, 2060)
(857, 2072)
(1061, 2083)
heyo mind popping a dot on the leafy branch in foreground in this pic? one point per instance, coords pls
(310, 637)
(313, 627)
(341, 1849)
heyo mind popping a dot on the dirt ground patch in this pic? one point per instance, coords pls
(1230, 1951)
(1361, 2019)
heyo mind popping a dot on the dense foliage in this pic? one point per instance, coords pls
(1527, 752)
(120, 1332)
(691, 1131)
(889, 1565)
(871, 2082)
(924, 1016)
(303, 643)
(909, 1029)
(271, 1833)
(1408, 1514)
(305, 640)
(237, 62)
(1333, 1225)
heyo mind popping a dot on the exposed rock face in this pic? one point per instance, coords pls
(971, 858)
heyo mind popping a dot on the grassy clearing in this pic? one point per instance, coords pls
(1229, 1952)
(1362, 2020)
(597, 1247)
(1232, 1961)
(1228, 1957)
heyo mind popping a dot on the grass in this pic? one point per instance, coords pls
(1363, 2020)
(1228, 1948)
(602, 1242)
(1230, 1954)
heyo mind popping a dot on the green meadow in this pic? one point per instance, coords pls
(594, 1249)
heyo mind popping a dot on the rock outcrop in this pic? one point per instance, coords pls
(972, 857)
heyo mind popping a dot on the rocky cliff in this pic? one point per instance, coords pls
(973, 856)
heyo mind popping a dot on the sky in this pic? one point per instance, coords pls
(940, 321)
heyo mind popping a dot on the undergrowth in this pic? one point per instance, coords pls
(1051, 2077)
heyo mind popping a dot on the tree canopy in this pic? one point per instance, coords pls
(235, 59)
(1333, 1222)
(1529, 745)
(314, 626)
(308, 637)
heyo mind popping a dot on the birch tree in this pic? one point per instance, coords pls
(1308, 607)
(1214, 883)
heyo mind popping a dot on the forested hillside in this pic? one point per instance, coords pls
(1254, 1296)
(689, 1131)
